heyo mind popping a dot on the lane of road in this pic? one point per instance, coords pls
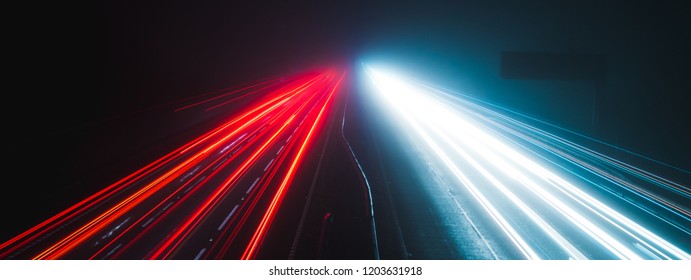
(489, 186)
(199, 201)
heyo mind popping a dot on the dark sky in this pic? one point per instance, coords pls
(73, 63)
(90, 62)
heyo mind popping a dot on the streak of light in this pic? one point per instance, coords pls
(260, 233)
(508, 168)
(120, 216)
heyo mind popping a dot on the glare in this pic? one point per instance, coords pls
(461, 136)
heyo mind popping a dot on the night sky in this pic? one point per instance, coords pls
(86, 63)
(156, 51)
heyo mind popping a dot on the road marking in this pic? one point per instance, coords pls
(157, 214)
(236, 150)
(194, 184)
(228, 217)
(219, 164)
(281, 149)
(199, 255)
(233, 143)
(252, 186)
(189, 174)
(270, 162)
(110, 233)
(164, 208)
(113, 251)
(148, 222)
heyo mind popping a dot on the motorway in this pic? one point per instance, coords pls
(218, 195)
(360, 165)
(453, 178)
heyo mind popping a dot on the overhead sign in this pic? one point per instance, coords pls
(559, 66)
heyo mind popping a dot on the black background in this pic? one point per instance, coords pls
(74, 63)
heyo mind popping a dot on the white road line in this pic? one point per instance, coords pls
(281, 149)
(113, 251)
(232, 144)
(199, 255)
(157, 214)
(252, 186)
(236, 150)
(270, 162)
(194, 184)
(189, 174)
(164, 208)
(228, 217)
(219, 164)
(148, 222)
(123, 222)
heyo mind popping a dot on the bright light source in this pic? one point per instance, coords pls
(525, 195)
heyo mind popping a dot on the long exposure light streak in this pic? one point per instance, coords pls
(162, 210)
(260, 233)
(548, 196)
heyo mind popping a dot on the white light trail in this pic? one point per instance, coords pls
(507, 180)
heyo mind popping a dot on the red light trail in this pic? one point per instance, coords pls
(212, 188)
